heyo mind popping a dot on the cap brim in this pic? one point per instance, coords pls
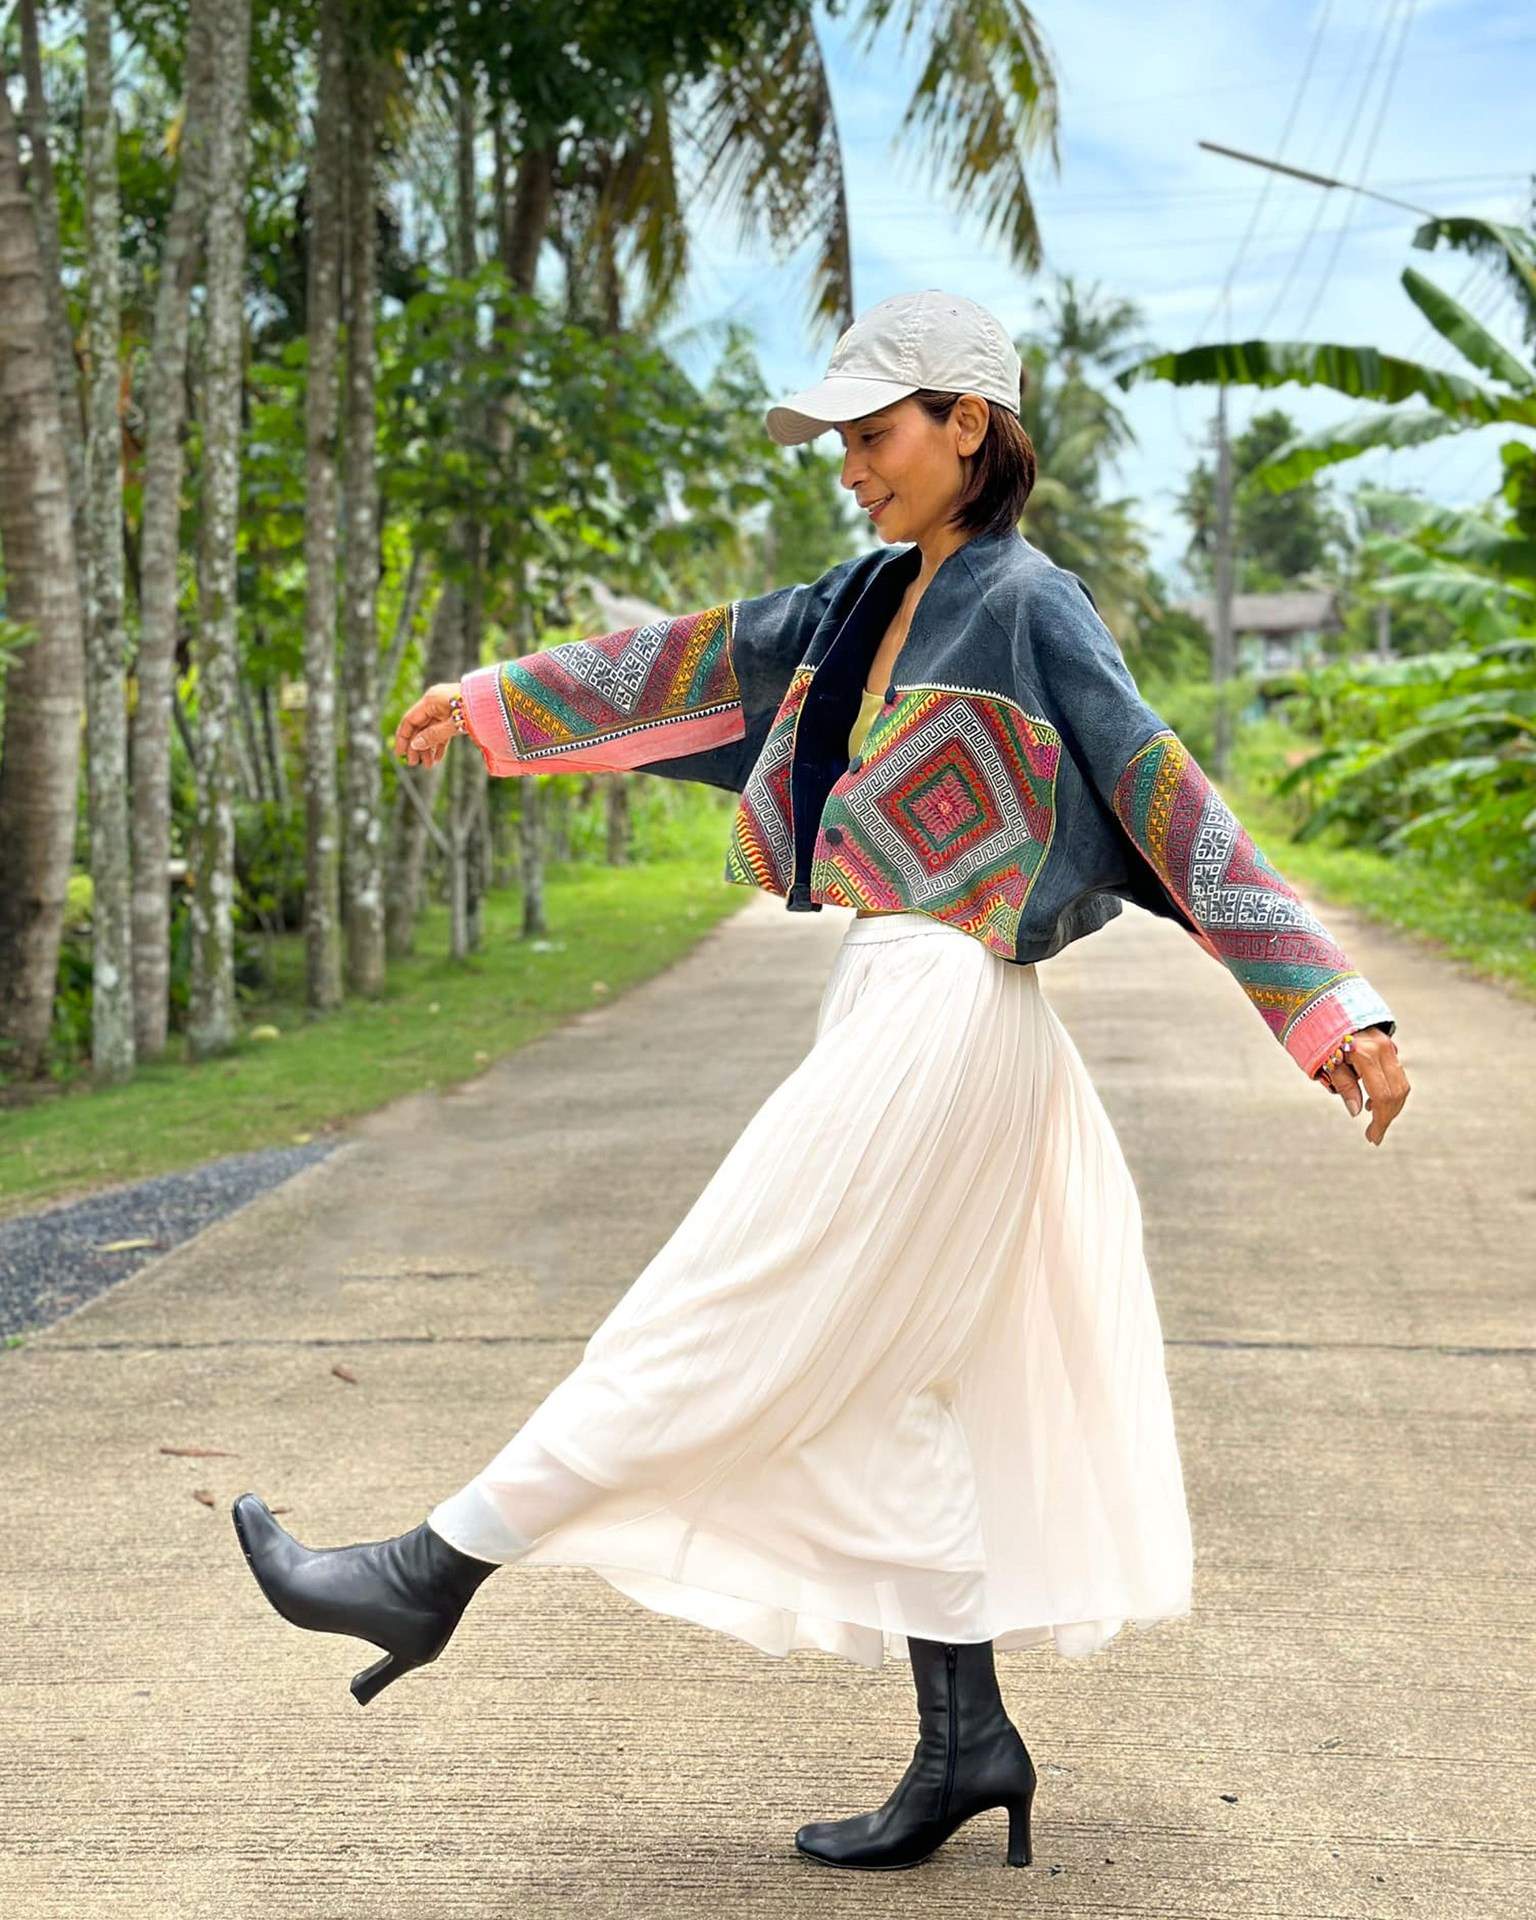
(804, 415)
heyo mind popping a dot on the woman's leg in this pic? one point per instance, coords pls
(969, 1757)
(512, 1502)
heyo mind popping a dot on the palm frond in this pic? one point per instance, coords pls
(987, 98)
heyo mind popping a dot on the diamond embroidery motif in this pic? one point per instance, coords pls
(939, 805)
(951, 813)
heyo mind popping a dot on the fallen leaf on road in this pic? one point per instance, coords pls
(123, 1246)
(202, 1493)
(344, 1373)
(201, 1453)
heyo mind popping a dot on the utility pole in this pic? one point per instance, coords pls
(1221, 649)
(1221, 634)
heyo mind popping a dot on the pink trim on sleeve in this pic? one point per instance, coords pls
(619, 752)
(486, 722)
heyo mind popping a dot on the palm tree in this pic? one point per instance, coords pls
(1077, 432)
(112, 1033)
(763, 130)
(45, 687)
(211, 1022)
(165, 397)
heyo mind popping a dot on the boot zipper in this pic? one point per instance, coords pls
(951, 1655)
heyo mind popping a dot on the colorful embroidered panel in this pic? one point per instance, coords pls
(612, 702)
(1244, 912)
(761, 849)
(949, 811)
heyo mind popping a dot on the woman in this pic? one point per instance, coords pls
(896, 1380)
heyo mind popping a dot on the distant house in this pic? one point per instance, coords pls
(1274, 632)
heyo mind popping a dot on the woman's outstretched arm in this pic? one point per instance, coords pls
(676, 695)
(1225, 892)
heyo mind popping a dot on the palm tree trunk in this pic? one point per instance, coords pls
(165, 402)
(211, 1024)
(272, 741)
(44, 693)
(363, 844)
(105, 679)
(522, 225)
(610, 290)
(322, 898)
(466, 772)
(411, 829)
(45, 200)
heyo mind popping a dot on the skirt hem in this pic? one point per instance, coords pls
(1069, 1639)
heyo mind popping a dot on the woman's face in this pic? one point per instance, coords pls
(913, 463)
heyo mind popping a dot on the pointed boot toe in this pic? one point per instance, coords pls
(405, 1595)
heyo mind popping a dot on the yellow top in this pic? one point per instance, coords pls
(869, 706)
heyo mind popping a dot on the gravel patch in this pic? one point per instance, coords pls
(54, 1261)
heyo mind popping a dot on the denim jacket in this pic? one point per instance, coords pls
(1013, 783)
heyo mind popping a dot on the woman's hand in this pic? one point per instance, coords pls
(425, 729)
(1371, 1067)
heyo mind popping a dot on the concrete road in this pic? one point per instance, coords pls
(1342, 1728)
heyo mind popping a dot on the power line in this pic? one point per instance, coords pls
(1152, 199)
(1365, 161)
(1494, 46)
(1349, 135)
(1285, 133)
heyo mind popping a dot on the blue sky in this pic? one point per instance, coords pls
(1141, 209)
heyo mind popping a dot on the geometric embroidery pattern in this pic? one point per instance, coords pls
(583, 693)
(761, 848)
(950, 813)
(1242, 910)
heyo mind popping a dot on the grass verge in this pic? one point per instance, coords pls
(439, 1022)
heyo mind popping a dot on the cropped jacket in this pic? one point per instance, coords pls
(1014, 783)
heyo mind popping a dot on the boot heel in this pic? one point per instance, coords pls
(1020, 1852)
(373, 1680)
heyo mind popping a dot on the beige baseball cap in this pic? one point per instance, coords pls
(912, 340)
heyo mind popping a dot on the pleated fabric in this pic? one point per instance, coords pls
(899, 1370)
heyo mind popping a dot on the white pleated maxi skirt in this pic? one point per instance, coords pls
(899, 1370)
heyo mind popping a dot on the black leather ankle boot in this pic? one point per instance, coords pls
(969, 1756)
(405, 1595)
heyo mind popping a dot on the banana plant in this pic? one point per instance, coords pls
(1454, 402)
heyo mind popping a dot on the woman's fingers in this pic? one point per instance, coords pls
(1345, 1082)
(426, 728)
(1387, 1086)
(421, 714)
(1371, 1076)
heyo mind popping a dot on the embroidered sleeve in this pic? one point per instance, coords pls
(611, 702)
(676, 695)
(1229, 896)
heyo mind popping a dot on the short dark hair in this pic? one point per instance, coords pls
(1001, 472)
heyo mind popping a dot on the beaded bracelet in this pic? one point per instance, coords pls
(1345, 1046)
(456, 712)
